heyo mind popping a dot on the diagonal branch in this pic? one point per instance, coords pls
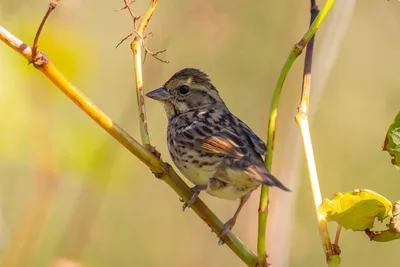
(162, 170)
(295, 52)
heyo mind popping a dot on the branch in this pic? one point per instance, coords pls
(162, 170)
(295, 52)
(52, 6)
(136, 46)
(137, 59)
(332, 257)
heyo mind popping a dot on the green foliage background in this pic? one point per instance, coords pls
(105, 208)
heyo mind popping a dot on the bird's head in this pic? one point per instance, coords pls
(186, 90)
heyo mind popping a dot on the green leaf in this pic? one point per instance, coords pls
(356, 210)
(392, 141)
(383, 236)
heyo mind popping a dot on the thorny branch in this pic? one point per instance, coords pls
(130, 9)
(136, 46)
(139, 32)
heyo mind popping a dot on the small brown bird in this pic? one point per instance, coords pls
(214, 149)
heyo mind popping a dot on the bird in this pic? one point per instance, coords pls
(211, 147)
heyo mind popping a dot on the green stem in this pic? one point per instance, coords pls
(294, 53)
(334, 261)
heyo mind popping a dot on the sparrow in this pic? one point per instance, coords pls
(211, 147)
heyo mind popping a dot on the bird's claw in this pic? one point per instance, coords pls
(227, 227)
(191, 200)
(196, 191)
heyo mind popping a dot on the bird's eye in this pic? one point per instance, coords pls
(183, 89)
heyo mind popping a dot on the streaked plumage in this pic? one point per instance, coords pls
(214, 149)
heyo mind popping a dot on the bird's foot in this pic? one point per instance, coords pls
(196, 191)
(227, 227)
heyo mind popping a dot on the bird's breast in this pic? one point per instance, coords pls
(196, 167)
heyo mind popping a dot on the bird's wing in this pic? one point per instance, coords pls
(257, 143)
(234, 140)
(221, 141)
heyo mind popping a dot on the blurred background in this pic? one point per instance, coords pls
(70, 195)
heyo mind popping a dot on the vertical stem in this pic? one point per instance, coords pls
(137, 57)
(302, 122)
(262, 225)
(263, 206)
(136, 47)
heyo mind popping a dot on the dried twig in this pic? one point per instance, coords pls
(332, 257)
(153, 54)
(136, 46)
(52, 6)
(124, 39)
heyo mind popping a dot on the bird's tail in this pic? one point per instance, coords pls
(263, 176)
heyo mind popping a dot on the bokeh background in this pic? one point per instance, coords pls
(70, 194)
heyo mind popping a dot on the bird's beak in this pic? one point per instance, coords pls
(159, 94)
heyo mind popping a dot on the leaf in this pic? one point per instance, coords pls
(382, 236)
(356, 210)
(393, 232)
(392, 141)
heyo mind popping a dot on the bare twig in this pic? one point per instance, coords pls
(130, 9)
(124, 39)
(306, 87)
(136, 46)
(156, 165)
(153, 54)
(52, 6)
(302, 122)
(142, 27)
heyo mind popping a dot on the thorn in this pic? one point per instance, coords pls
(144, 57)
(126, 5)
(154, 54)
(149, 35)
(124, 39)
